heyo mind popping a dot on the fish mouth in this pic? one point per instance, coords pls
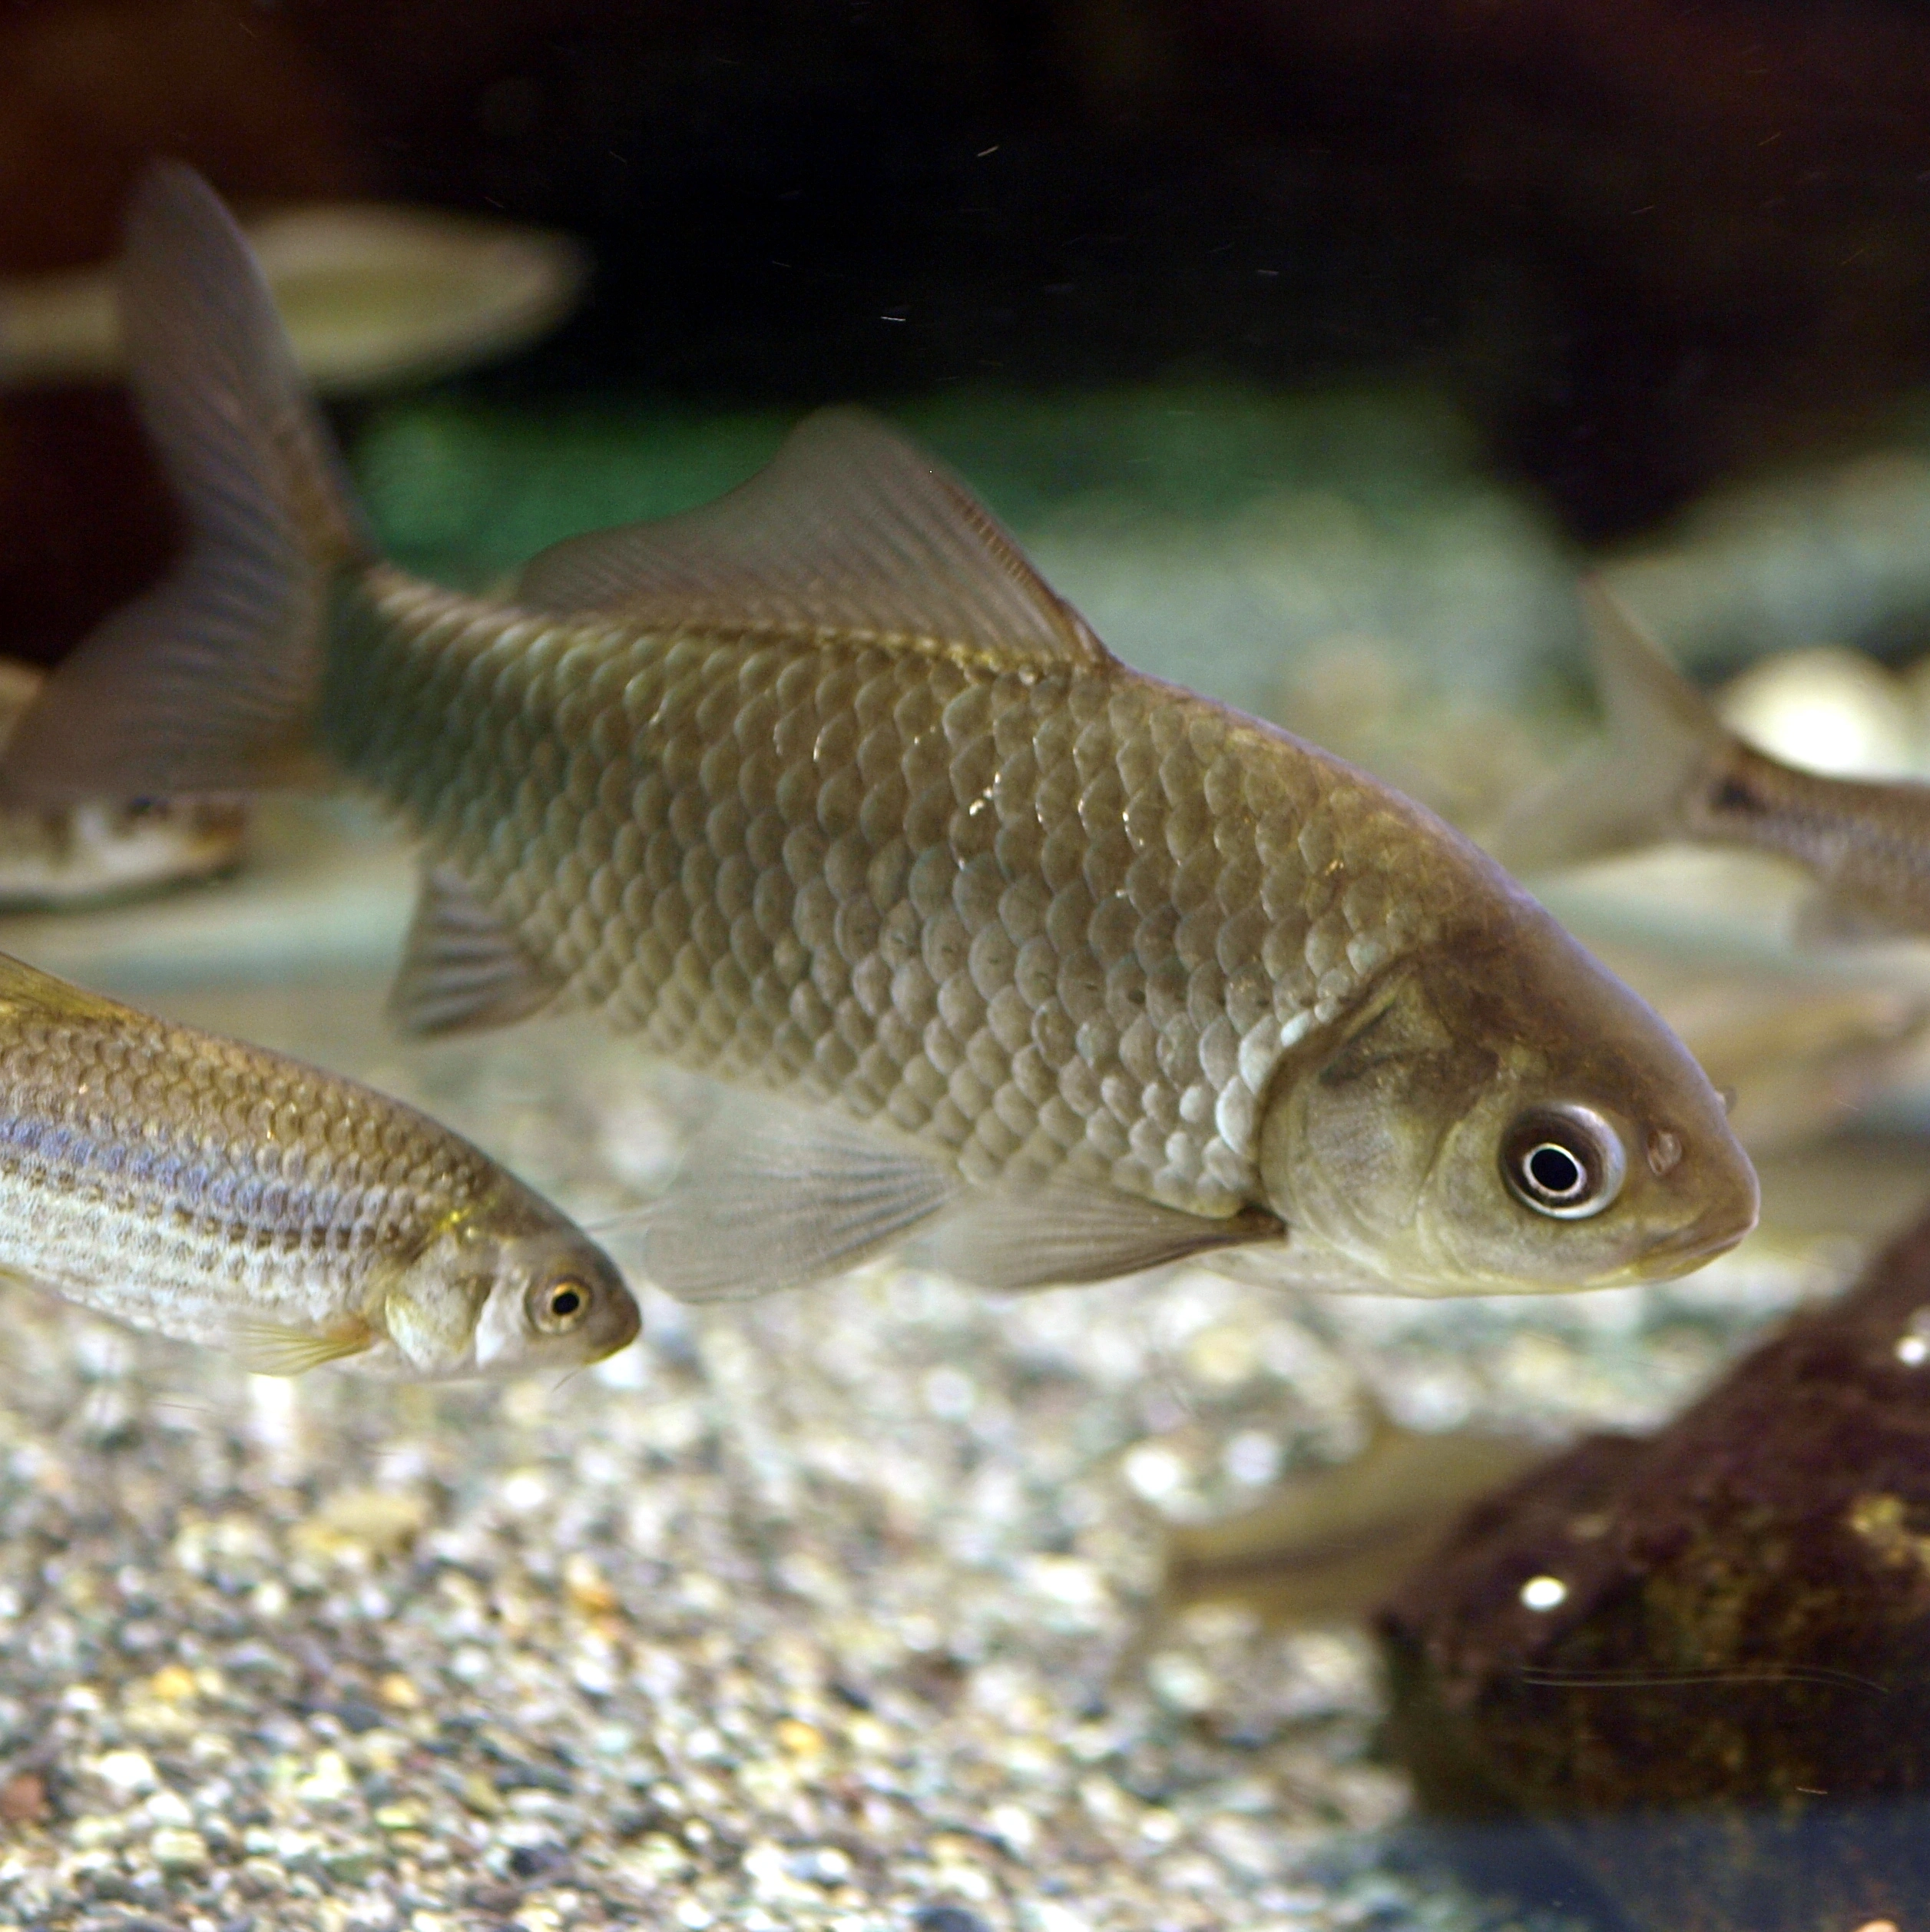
(621, 1334)
(1733, 1203)
(1688, 1249)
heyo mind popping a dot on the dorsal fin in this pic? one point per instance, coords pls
(850, 531)
(22, 985)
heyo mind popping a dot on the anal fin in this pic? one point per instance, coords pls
(783, 1197)
(1066, 1232)
(462, 968)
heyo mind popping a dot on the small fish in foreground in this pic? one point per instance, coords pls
(220, 1194)
(821, 790)
(1669, 769)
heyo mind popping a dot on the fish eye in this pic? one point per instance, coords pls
(1565, 1161)
(559, 1304)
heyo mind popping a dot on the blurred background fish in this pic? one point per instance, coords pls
(1328, 1545)
(102, 851)
(1671, 769)
(373, 297)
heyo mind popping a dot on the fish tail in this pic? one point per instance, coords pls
(1664, 742)
(209, 683)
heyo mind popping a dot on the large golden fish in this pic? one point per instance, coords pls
(821, 790)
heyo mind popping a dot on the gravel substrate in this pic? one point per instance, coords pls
(840, 1610)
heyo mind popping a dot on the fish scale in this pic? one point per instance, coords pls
(996, 908)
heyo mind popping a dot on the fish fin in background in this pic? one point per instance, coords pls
(1327, 1546)
(209, 682)
(265, 1348)
(462, 967)
(25, 985)
(1626, 792)
(1064, 1232)
(774, 1197)
(849, 530)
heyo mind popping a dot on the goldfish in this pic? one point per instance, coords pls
(220, 1194)
(1009, 953)
(1668, 769)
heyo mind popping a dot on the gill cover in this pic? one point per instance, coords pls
(1352, 1143)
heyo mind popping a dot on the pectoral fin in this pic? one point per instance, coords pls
(1067, 1231)
(462, 968)
(266, 1348)
(784, 1198)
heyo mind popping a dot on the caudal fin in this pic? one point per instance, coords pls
(208, 684)
(1627, 791)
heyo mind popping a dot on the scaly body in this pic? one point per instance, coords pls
(1029, 917)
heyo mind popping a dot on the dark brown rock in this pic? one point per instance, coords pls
(1725, 1716)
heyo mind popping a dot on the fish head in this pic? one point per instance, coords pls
(535, 1291)
(1502, 1115)
(559, 1302)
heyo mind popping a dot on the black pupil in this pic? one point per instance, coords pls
(1555, 1171)
(565, 1301)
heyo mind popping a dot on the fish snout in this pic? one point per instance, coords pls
(1719, 1228)
(624, 1325)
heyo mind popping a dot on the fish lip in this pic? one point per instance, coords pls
(614, 1348)
(629, 1330)
(1688, 1249)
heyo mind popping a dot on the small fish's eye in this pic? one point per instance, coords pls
(1566, 1161)
(560, 1304)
